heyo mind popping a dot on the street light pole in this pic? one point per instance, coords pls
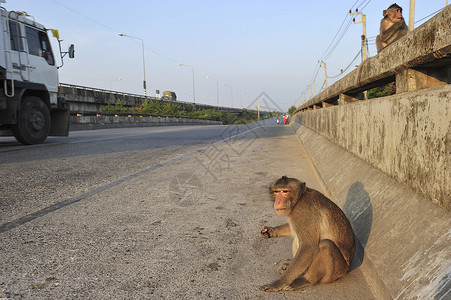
(231, 93)
(241, 97)
(144, 63)
(217, 89)
(194, 88)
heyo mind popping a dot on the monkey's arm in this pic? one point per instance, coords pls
(282, 230)
(389, 33)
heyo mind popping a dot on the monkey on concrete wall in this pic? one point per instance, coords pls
(323, 240)
(393, 27)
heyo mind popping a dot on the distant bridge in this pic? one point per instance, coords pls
(86, 109)
(89, 99)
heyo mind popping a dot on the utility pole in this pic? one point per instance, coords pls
(412, 15)
(364, 41)
(325, 71)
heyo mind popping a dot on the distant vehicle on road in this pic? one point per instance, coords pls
(169, 96)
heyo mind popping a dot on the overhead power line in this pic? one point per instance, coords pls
(362, 8)
(339, 35)
(333, 40)
(350, 64)
(429, 15)
(110, 28)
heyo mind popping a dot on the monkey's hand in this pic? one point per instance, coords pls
(276, 286)
(268, 232)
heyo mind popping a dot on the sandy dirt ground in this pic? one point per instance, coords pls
(187, 230)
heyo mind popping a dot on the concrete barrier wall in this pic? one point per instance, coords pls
(407, 136)
(111, 121)
(404, 240)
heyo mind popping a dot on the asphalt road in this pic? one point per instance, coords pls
(150, 213)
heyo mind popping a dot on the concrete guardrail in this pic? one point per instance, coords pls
(98, 120)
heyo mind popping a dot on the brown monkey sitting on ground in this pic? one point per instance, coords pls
(323, 245)
(393, 27)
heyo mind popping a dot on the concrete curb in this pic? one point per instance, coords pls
(405, 240)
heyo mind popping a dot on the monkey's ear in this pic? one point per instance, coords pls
(302, 188)
(384, 12)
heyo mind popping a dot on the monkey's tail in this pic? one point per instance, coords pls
(359, 70)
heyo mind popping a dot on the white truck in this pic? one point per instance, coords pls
(30, 107)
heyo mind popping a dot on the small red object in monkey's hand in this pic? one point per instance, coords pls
(265, 231)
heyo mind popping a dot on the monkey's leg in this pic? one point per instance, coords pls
(327, 266)
(283, 267)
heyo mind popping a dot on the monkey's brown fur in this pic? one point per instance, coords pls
(393, 27)
(323, 245)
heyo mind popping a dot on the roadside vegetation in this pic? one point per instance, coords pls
(173, 109)
(382, 91)
(291, 110)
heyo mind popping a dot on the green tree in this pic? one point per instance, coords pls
(291, 110)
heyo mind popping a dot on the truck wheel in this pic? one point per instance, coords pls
(33, 122)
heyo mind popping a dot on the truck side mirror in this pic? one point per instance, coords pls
(71, 51)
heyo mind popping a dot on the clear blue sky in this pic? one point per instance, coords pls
(254, 46)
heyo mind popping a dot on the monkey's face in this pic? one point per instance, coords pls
(282, 200)
(394, 15)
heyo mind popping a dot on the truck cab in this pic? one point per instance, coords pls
(30, 107)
